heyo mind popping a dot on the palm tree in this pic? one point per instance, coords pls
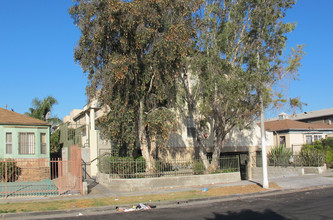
(41, 109)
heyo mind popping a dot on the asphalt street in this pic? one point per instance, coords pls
(310, 204)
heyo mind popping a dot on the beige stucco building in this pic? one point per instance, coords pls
(82, 124)
(294, 134)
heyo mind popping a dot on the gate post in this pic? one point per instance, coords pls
(6, 178)
(59, 175)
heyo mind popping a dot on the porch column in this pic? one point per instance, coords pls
(92, 119)
(87, 129)
(93, 143)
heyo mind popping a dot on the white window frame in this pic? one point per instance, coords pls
(9, 143)
(317, 137)
(43, 149)
(26, 143)
(306, 139)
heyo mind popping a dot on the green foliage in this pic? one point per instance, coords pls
(122, 165)
(198, 167)
(279, 156)
(312, 155)
(7, 211)
(318, 148)
(41, 109)
(140, 164)
(161, 166)
(328, 149)
(238, 59)
(55, 142)
(13, 171)
(161, 122)
(140, 56)
(125, 167)
(132, 52)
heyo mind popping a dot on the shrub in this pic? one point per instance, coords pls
(124, 166)
(317, 150)
(13, 171)
(328, 149)
(104, 165)
(311, 156)
(140, 165)
(198, 167)
(280, 156)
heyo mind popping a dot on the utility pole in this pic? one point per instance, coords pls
(265, 184)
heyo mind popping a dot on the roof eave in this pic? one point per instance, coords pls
(48, 125)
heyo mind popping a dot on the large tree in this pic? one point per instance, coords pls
(238, 61)
(132, 52)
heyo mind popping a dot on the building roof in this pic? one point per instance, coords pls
(287, 124)
(312, 114)
(12, 118)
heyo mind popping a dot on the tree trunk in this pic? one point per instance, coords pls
(203, 156)
(153, 148)
(143, 139)
(215, 159)
(198, 140)
(216, 153)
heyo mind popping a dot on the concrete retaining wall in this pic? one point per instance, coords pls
(278, 172)
(165, 182)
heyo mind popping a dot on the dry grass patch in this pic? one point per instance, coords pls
(109, 201)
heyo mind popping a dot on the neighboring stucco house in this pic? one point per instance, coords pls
(23, 137)
(80, 127)
(293, 134)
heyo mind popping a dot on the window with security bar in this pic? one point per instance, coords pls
(26, 143)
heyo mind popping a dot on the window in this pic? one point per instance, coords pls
(317, 138)
(43, 143)
(26, 143)
(308, 139)
(283, 140)
(9, 143)
(190, 127)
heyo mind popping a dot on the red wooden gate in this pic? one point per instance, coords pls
(70, 172)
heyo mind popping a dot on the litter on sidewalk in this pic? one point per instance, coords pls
(139, 207)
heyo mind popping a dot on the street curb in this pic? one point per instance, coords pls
(163, 204)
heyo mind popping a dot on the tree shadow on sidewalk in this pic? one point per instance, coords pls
(249, 214)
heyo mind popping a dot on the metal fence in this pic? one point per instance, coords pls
(303, 160)
(39, 177)
(118, 167)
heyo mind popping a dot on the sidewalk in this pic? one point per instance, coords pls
(285, 184)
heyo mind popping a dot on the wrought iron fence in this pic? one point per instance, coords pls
(300, 160)
(39, 177)
(128, 167)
